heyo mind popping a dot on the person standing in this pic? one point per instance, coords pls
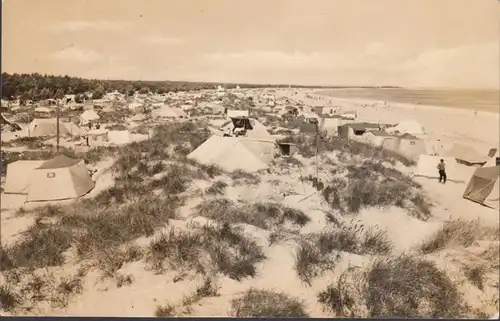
(442, 171)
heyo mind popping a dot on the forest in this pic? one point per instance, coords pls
(38, 87)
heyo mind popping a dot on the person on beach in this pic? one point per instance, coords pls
(442, 171)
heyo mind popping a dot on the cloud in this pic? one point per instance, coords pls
(463, 66)
(83, 25)
(77, 54)
(379, 63)
(162, 40)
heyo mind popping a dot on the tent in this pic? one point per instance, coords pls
(407, 127)
(40, 127)
(59, 178)
(427, 167)
(466, 155)
(233, 113)
(168, 112)
(42, 110)
(484, 188)
(88, 116)
(119, 137)
(411, 147)
(232, 153)
(18, 176)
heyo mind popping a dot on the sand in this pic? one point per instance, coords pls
(104, 298)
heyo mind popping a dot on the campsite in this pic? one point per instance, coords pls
(216, 198)
(250, 159)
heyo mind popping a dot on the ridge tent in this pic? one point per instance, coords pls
(466, 155)
(40, 127)
(18, 176)
(232, 153)
(88, 116)
(483, 187)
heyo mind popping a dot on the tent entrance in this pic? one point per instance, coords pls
(286, 149)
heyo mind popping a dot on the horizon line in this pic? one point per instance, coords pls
(257, 84)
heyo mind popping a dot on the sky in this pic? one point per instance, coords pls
(410, 43)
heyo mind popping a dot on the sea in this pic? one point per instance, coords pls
(475, 99)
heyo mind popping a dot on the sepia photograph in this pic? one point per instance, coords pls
(250, 158)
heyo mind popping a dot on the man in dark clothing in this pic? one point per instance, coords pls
(442, 171)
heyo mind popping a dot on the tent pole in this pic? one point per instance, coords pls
(57, 113)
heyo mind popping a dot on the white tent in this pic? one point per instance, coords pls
(168, 112)
(231, 153)
(59, 178)
(407, 127)
(466, 154)
(18, 176)
(40, 127)
(119, 137)
(484, 187)
(42, 110)
(233, 113)
(88, 116)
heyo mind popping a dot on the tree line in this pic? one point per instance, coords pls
(38, 87)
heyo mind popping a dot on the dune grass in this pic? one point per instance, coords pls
(262, 215)
(371, 184)
(460, 233)
(404, 287)
(256, 303)
(318, 252)
(306, 146)
(206, 250)
(206, 290)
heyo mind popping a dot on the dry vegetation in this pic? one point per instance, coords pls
(458, 233)
(403, 287)
(153, 180)
(256, 303)
(262, 215)
(319, 252)
(371, 184)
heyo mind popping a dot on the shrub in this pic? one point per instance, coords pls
(242, 177)
(266, 304)
(222, 248)
(41, 245)
(217, 188)
(262, 215)
(457, 233)
(306, 146)
(396, 287)
(372, 184)
(9, 300)
(321, 251)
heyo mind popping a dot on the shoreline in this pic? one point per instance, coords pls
(447, 109)
(408, 105)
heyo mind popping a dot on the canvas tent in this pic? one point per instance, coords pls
(466, 155)
(406, 145)
(427, 167)
(233, 113)
(168, 112)
(232, 153)
(59, 178)
(88, 116)
(18, 176)
(407, 127)
(56, 179)
(119, 137)
(484, 188)
(40, 127)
